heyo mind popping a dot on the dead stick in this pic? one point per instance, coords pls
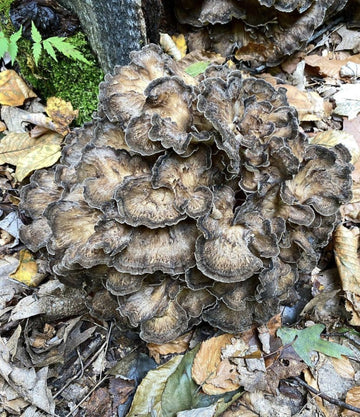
(326, 397)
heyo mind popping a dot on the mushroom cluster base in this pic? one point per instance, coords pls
(191, 198)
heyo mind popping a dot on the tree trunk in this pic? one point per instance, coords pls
(114, 27)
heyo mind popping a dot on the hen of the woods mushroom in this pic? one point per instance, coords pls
(193, 199)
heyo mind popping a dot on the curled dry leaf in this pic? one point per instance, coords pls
(13, 89)
(328, 66)
(215, 376)
(346, 246)
(179, 345)
(29, 154)
(352, 398)
(61, 111)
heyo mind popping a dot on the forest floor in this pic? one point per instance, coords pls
(304, 362)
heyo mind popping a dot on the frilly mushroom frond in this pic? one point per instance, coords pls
(190, 198)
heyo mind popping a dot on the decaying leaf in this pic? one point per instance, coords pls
(61, 111)
(214, 375)
(179, 345)
(352, 398)
(328, 66)
(29, 384)
(169, 46)
(13, 89)
(27, 271)
(332, 138)
(29, 154)
(345, 246)
(309, 105)
(350, 39)
(347, 100)
(309, 340)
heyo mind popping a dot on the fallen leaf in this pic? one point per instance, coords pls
(345, 247)
(178, 345)
(147, 398)
(352, 398)
(328, 66)
(27, 271)
(309, 105)
(180, 43)
(196, 68)
(353, 127)
(169, 46)
(309, 340)
(29, 384)
(13, 89)
(331, 138)
(348, 100)
(29, 154)
(61, 111)
(350, 39)
(215, 376)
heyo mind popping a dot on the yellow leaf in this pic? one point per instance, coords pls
(27, 271)
(13, 89)
(215, 376)
(60, 111)
(331, 138)
(29, 154)
(180, 43)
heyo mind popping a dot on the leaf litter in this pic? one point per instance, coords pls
(48, 340)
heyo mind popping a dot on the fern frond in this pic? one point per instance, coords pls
(49, 49)
(13, 48)
(36, 48)
(35, 34)
(4, 44)
(67, 49)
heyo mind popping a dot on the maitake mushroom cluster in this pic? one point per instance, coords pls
(257, 31)
(196, 198)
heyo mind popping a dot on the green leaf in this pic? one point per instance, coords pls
(4, 44)
(308, 340)
(36, 47)
(67, 49)
(147, 399)
(49, 49)
(13, 48)
(181, 393)
(35, 34)
(196, 68)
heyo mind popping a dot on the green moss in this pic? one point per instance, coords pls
(70, 80)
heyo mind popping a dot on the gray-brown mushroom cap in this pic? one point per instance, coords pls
(223, 253)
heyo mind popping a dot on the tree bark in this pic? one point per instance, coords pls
(113, 27)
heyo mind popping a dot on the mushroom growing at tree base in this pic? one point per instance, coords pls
(190, 198)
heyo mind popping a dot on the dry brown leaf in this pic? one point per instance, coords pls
(214, 375)
(29, 154)
(353, 127)
(61, 111)
(178, 345)
(309, 105)
(343, 367)
(329, 67)
(352, 398)
(345, 248)
(352, 305)
(13, 89)
(331, 138)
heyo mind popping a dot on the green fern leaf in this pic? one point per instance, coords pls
(67, 49)
(49, 49)
(13, 48)
(36, 48)
(4, 44)
(35, 34)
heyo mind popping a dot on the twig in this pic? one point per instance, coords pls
(331, 400)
